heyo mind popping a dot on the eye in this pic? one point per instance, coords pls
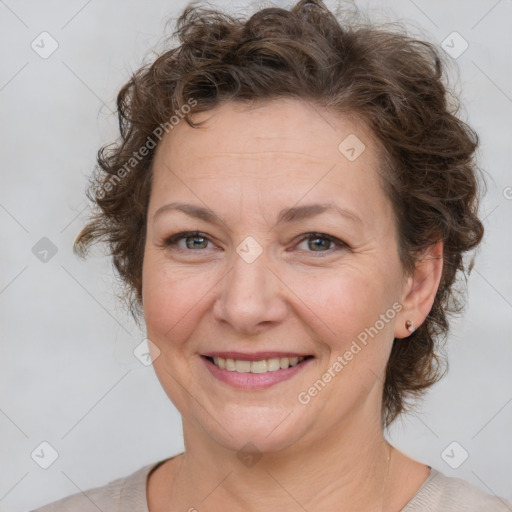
(193, 240)
(196, 241)
(322, 243)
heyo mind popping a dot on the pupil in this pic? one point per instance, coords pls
(322, 241)
(194, 240)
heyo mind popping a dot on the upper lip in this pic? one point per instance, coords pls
(254, 356)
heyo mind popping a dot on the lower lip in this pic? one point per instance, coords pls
(254, 380)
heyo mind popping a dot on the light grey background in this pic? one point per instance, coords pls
(68, 375)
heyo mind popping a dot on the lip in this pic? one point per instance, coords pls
(254, 381)
(255, 356)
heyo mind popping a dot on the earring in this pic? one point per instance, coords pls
(409, 326)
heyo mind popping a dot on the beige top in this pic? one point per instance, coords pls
(438, 493)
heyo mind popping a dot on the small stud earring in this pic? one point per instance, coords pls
(409, 326)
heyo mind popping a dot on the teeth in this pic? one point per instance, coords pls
(262, 366)
(273, 364)
(220, 361)
(243, 366)
(258, 366)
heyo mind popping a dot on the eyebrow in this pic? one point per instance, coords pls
(288, 215)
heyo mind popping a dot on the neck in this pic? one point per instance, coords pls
(348, 471)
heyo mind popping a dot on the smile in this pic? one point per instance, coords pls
(255, 371)
(263, 366)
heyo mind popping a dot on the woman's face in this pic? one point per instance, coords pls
(270, 275)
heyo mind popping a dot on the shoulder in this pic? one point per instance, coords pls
(127, 493)
(450, 494)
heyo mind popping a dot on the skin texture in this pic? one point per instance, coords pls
(314, 297)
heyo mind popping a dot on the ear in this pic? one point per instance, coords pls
(420, 290)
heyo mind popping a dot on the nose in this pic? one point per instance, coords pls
(251, 296)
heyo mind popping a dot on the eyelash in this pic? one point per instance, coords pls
(173, 240)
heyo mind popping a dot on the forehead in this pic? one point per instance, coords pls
(284, 126)
(287, 145)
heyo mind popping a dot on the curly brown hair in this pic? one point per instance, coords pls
(395, 83)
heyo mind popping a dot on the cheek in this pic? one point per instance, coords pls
(168, 298)
(345, 302)
(360, 312)
(174, 298)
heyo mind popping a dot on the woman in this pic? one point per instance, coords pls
(293, 248)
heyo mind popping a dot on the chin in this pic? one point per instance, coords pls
(256, 430)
